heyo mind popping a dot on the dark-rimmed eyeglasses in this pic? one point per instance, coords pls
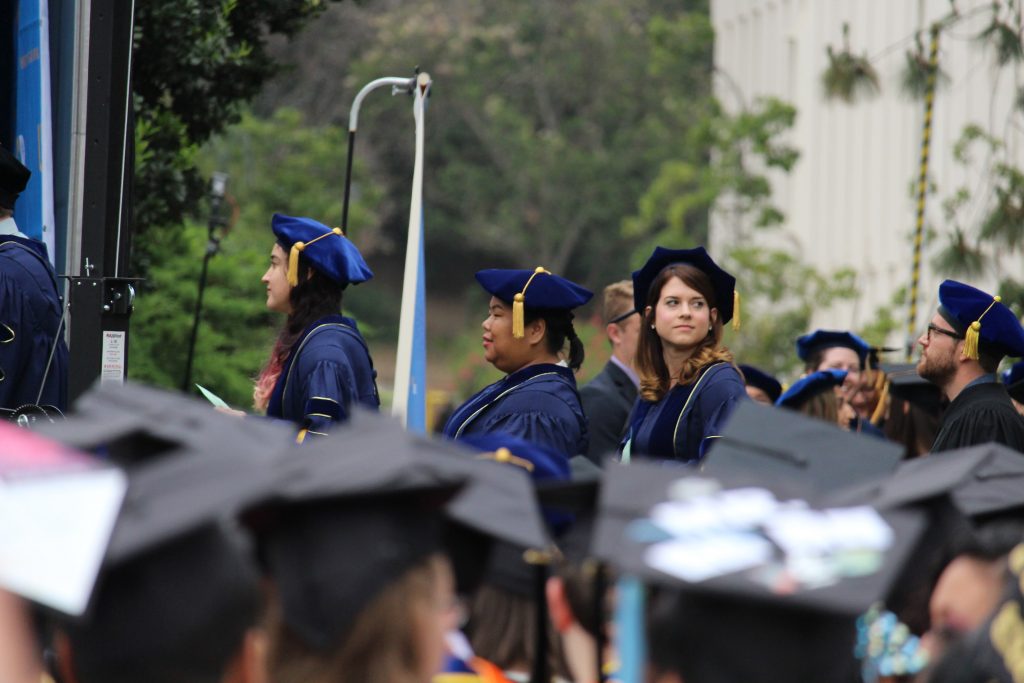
(932, 327)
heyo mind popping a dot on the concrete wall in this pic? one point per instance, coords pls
(849, 201)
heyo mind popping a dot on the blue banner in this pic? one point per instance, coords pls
(416, 408)
(32, 123)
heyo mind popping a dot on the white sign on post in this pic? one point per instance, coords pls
(112, 357)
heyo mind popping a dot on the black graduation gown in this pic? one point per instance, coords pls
(980, 414)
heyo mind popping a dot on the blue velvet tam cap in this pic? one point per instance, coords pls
(762, 380)
(542, 464)
(978, 315)
(827, 339)
(1014, 374)
(1014, 381)
(326, 249)
(537, 288)
(807, 387)
(723, 283)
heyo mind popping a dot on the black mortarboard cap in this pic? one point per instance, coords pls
(375, 492)
(739, 603)
(177, 591)
(13, 178)
(177, 611)
(756, 377)
(723, 283)
(783, 447)
(129, 423)
(907, 385)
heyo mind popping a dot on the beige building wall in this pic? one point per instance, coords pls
(849, 201)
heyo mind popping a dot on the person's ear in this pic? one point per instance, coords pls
(648, 317)
(535, 331)
(714, 315)
(558, 605)
(614, 333)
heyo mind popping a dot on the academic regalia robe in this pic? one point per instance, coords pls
(979, 414)
(684, 423)
(30, 313)
(538, 403)
(327, 371)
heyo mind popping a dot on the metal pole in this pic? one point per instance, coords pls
(218, 187)
(397, 85)
(922, 188)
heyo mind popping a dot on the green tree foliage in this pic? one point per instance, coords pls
(776, 281)
(723, 163)
(226, 359)
(548, 119)
(195, 64)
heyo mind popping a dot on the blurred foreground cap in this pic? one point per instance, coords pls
(783, 447)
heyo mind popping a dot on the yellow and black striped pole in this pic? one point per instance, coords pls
(922, 187)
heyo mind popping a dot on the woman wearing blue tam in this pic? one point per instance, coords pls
(814, 395)
(688, 383)
(320, 364)
(528, 324)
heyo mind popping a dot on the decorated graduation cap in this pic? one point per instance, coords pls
(326, 249)
(724, 284)
(752, 586)
(756, 377)
(14, 178)
(980, 317)
(789, 448)
(809, 386)
(536, 289)
(1013, 378)
(809, 344)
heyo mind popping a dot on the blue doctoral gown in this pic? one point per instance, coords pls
(685, 422)
(538, 403)
(30, 312)
(327, 371)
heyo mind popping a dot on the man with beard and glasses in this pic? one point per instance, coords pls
(960, 353)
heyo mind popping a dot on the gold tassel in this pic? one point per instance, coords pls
(293, 263)
(519, 306)
(971, 341)
(972, 338)
(736, 310)
(518, 316)
(883, 400)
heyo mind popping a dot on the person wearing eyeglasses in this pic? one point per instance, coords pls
(960, 352)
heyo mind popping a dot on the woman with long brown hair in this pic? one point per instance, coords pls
(320, 364)
(688, 382)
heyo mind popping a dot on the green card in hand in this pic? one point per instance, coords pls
(212, 397)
